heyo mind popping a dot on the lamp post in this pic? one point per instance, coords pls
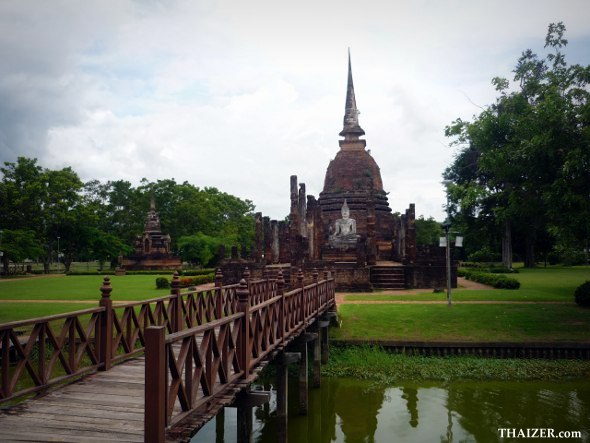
(447, 228)
(58, 237)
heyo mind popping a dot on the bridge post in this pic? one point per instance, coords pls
(243, 294)
(246, 275)
(105, 346)
(245, 401)
(283, 361)
(155, 385)
(176, 301)
(303, 380)
(220, 426)
(317, 354)
(281, 292)
(301, 285)
(218, 294)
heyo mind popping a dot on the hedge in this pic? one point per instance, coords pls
(498, 281)
(185, 282)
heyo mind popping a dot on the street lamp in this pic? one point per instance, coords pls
(447, 228)
(58, 237)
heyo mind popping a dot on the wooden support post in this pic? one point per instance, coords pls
(177, 323)
(244, 403)
(220, 426)
(282, 387)
(303, 381)
(244, 350)
(155, 385)
(105, 345)
(317, 359)
(283, 361)
(325, 343)
(244, 418)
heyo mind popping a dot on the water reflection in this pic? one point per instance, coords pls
(352, 411)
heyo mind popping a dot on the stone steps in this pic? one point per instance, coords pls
(388, 277)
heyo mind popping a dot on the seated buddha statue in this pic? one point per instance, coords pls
(344, 230)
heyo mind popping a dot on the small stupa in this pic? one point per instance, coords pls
(152, 248)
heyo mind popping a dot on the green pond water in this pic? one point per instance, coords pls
(345, 410)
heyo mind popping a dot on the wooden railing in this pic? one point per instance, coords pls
(209, 344)
(188, 369)
(56, 349)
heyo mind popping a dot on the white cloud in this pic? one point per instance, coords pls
(240, 95)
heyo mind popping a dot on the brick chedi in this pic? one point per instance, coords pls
(350, 229)
(354, 176)
(152, 248)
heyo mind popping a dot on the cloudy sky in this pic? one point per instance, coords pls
(242, 94)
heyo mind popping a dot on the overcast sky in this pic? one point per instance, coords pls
(241, 95)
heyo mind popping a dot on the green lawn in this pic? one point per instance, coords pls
(80, 287)
(499, 322)
(76, 287)
(539, 284)
(21, 311)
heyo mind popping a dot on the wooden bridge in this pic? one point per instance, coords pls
(159, 369)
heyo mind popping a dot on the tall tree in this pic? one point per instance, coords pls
(522, 159)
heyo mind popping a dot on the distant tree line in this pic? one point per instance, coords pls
(42, 208)
(521, 181)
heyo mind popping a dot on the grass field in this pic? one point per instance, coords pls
(80, 287)
(485, 322)
(538, 284)
(490, 322)
(61, 289)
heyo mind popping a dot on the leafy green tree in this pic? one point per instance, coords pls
(18, 245)
(520, 168)
(428, 231)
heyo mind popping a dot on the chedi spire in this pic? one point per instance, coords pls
(351, 129)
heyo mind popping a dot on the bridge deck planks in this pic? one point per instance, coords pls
(106, 406)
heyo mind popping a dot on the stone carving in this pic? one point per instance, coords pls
(344, 231)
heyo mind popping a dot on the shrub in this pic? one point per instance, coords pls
(105, 272)
(194, 272)
(502, 270)
(485, 254)
(197, 280)
(162, 283)
(582, 294)
(498, 281)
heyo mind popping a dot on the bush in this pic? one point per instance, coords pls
(485, 254)
(193, 272)
(582, 294)
(197, 280)
(502, 270)
(162, 283)
(105, 272)
(498, 281)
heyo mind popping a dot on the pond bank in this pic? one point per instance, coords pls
(375, 363)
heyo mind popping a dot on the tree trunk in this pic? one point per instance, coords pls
(46, 262)
(529, 253)
(5, 262)
(507, 245)
(67, 263)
